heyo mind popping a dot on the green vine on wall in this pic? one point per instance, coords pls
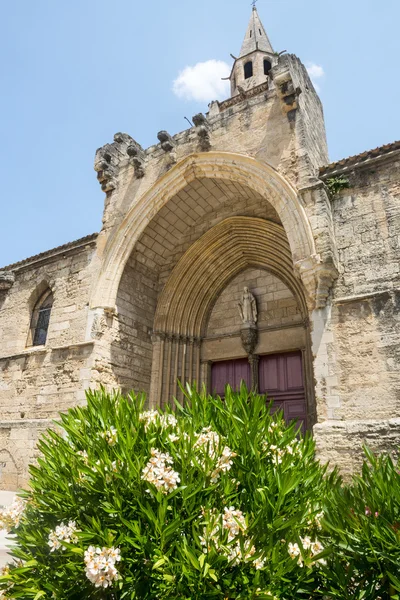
(337, 184)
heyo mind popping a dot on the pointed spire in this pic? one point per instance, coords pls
(256, 37)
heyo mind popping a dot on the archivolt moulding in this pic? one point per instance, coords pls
(260, 177)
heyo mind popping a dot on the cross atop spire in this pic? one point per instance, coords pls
(256, 37)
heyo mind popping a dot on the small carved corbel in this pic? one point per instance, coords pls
(249, 337)
(318, 278)
(168, 145)
(7, 279)
(203, 132)
(287, 92)
(242, 92)
(137, 155)
(106, 173)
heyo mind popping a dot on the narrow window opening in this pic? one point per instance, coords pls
(41, 319)
(251, 33)
(248, 70)
(260, 31)
(267, 67)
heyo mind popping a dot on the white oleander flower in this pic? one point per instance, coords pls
(100, 565)
(159, 472)
(224, 464)
(233, 521)
(293, 550)
(111, 436)
(153, 417)
(316, 547)
(306, 542)
(208, 441)
(63, 533)
(259, 563)
(10, 516)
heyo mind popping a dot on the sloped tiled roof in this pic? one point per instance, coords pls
(352, 161)
(69, 246)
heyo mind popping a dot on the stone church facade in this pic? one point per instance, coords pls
(246, 198)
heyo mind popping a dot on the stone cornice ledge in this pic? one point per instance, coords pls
(358, 426)
(360, 297)
(4, 424)
(44, 350)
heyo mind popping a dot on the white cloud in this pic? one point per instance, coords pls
(203, 82)
(315, 72)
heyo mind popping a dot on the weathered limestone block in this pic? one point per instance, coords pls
(18, 440)
(341, 442)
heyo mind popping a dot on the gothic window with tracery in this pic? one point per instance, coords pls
(41, 319)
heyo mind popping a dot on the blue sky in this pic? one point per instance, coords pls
(74, 73)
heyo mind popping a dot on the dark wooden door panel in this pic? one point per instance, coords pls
(230, 372)
(281, 378)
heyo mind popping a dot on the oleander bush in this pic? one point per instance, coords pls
(214, 499)
(364, 521)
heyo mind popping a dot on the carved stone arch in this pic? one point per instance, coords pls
(9, 470)
(246, 171)
(211, 262)
(40, 289)
(184, 306)
(38, 297)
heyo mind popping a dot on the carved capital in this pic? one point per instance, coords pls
(318, 278)
(158, 336)
(7, 279)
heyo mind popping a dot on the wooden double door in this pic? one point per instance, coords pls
(280, 376)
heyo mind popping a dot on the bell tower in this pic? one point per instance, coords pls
(256, 57)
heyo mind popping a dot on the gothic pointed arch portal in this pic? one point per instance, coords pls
(259, 177)
(234, 246)
(212, 261)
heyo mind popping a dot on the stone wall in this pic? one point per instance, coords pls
(37, 382)
(276, 304)
(366, 304)
(131, 350)
(360, 331)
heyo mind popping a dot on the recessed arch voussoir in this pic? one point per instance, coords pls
(259, 177)
(211, 262)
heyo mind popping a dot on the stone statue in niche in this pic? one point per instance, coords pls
(248, 308)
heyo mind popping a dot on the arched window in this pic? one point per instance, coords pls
(267, 67)
(41, 318)
(248, 70)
